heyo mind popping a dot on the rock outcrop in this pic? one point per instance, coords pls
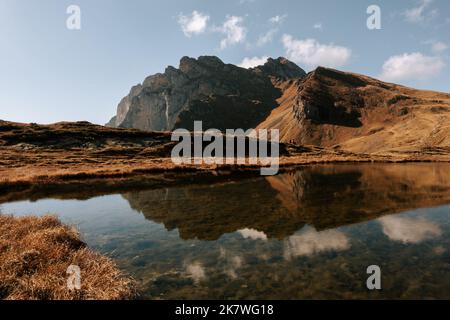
(280, 68)
(221, 95)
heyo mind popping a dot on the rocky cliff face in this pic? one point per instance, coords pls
(221, 95)
(281, 69)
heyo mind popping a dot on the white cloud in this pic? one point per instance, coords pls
(234, 30)
(278, 19)
(409, 230)
(311, 242)
(252, 234)
(420, 13)
(232, 266)
(411, 66)
(267, 37)
(231, 263)
(439, 47)
(318, 26)
(193, 24)
(196, 271)
(313, 53)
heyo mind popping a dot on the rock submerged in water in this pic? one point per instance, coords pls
(223, 96)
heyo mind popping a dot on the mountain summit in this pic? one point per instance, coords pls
(221, 95)
(326, 108)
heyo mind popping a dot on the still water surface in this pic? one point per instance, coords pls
(307, 234)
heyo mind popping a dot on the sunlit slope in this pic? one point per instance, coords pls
(330, 108)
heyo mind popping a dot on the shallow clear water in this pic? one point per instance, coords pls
(311, 233)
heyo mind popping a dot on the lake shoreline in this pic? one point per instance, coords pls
(55, 156)
(111, 179)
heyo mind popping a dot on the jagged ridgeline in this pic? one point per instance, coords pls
(325, 108)
(223, 96)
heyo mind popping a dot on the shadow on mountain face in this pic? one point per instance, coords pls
(230, 112)
(324, 197)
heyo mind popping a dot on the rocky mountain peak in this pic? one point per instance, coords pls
(281, 68)
(322, 73)
(201, 66)
(221, 95)
(210, 60)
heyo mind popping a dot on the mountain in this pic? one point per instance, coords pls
(330, 108)
(221, 95)
(326, 108)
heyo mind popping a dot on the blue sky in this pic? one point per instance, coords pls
(49, 73)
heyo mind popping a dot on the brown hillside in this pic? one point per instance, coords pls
(356, 113)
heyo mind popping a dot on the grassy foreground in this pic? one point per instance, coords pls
(35, 253)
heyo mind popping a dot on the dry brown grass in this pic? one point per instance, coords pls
(35, 253)
(36, 155)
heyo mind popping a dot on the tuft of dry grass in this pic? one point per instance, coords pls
(35, 253)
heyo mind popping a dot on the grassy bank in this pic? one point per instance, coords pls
(54, 155)
(35, 253)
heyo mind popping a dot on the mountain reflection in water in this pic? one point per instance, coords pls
(307, 234)
(324, 197)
